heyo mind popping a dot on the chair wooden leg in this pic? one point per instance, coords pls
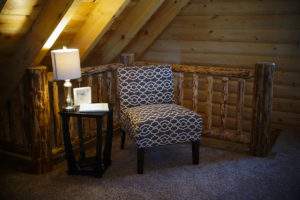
(123, 139)
(140, 160)
(195, 150)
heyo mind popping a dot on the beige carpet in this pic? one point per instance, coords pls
(169, 174)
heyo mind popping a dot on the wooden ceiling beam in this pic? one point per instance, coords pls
(128, 28)
(155, 26)
(2, 3)
(47, 21)
(97, 25)
(56, 32)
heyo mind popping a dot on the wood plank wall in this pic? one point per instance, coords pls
(16, 18)
(238, 33)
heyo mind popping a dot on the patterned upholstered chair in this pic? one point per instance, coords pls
(149, 115)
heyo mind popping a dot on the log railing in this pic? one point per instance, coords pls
(208, 74)
(43, 129)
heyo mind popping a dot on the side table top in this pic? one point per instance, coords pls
(86, 114)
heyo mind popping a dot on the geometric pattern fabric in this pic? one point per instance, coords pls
(148, 113)
(145, 85)
(161, 124)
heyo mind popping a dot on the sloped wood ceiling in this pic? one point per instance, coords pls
(101, 29)
(48, 19)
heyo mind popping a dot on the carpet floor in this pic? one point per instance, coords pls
(169, 174)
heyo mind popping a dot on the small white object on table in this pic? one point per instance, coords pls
(94, 107)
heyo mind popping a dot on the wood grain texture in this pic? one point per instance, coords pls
(100, 87)
(241, 7)
(39, 115)
(246, 22)
(262, 108)
(128, 28)
(231, 35)
(57, 121)
(154, 27)
(50, 16)
(216, 59)
(91, 127)
(195, 92)
(2, 3)
(180, 88)
(221, 47)
(128, 59)
(208, 103)
(216, 33)
(98, 23)
(109, 86)
(223, 103)
(205, 70)
(56, 32)
(240, 106)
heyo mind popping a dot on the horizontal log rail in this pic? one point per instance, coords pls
(206, 70)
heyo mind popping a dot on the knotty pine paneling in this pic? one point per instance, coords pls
(238, 33)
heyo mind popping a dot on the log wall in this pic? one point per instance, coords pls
(238, 33)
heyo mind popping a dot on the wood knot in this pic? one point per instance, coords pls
(211, 31)
(214, 17)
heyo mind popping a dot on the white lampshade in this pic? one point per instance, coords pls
(66, 64)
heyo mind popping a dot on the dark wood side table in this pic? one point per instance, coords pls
(88, 166)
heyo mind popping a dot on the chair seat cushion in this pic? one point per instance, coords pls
(161, 124)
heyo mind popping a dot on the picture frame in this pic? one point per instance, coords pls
(82, 95)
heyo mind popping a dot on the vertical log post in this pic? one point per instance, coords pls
(208, 107)
(118, 114)
(195, 93)
(224, 99)
(109, 88)
(127, 59)
(180, 88)
(262, 108)
(57, 122)
(100, 87)
(240, 106)
(39, 116)
(91, 128)
(114, 94)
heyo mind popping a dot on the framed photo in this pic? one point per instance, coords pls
(82, 95)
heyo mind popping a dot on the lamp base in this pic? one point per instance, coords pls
(69, 108)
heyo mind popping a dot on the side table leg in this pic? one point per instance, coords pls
(108, 142)
(81, 140)
(99, 169)
(68, 146)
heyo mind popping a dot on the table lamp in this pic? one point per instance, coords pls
(66, 66)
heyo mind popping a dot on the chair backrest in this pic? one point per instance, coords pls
(145, 85)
